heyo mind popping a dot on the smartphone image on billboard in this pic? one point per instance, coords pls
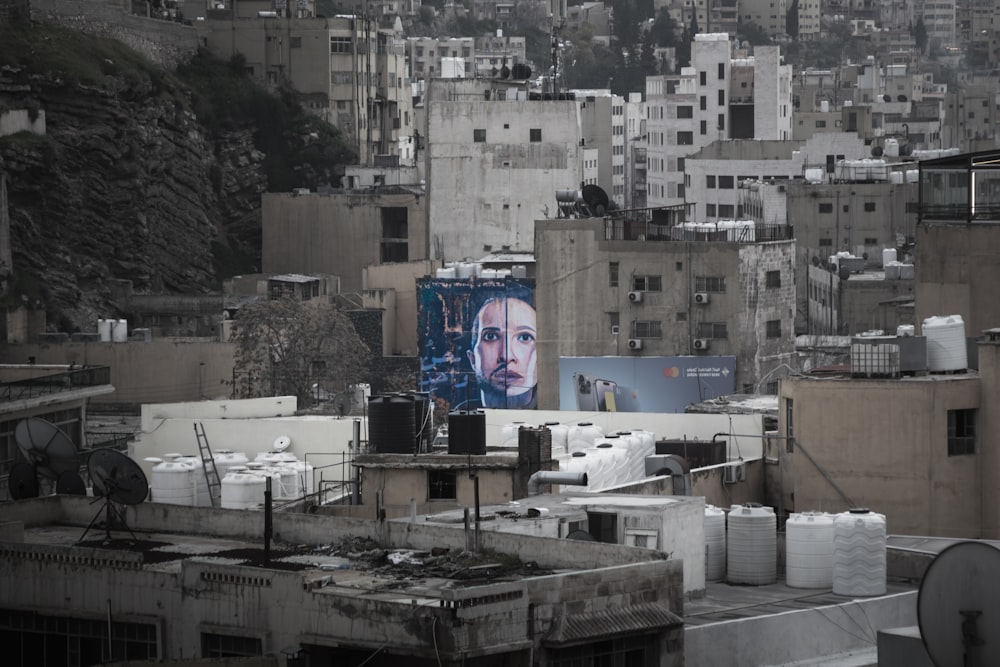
(586, 396)
(600, 395)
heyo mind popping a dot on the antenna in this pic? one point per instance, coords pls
(958, 606)
(46, 447)
(116, 479)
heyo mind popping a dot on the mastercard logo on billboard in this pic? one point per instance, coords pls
(671, 372)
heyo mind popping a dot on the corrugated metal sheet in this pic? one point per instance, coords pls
(608, 623)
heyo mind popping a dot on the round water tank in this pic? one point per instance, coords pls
(226, 459)
(905, 330)
(391, 425)
(466, 269)
(892, 270)
(824, 106)
(242, 489)
(304, 474)
(896, 177)
(488, 274)
(859, 555)
(715, 543)
(201, 493)
(119, 331)
(172, 482)
(104, 330)
(446, 273)
(285, 482)
(946, 350)
(583, 435)
(912, 175)
(891, 147)
(809, 550)
(467, 432)
(509, 434)
(888, 255)
(560, 434)
(751, 548)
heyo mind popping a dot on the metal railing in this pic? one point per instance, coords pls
(90, 376)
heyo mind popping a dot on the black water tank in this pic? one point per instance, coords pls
(423, 419)
(391, 424)
(467, 432)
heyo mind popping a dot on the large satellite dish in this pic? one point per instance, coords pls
(596, 199)
(342, 404)
(47, 447)
(22, 482)
(118, 480)
(958, 606)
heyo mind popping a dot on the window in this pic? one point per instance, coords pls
(715, 330)
(871, 240)
(703, 78)
(229, 646)
(479, 136)
(820, 123)
(826, 208)
(961, 432)
(685, 112)
(395, 242)
(722, 121)
(703, 103)
(680, 164)
(614, 321)
(612, 274)
(789, 425)
(647, 283)
(710, 284)
(441, 485)
(703, 127)
(869, 207)
(535, 134)
(710, 210)
(727, 182)
(722, 71)
(772, 279)
(340, 45)
(295, 42)
(726, 211)
(685, 138)
(825, 243)
(773, 328)
(710, 182)
(722, 97)
(646, 329)
(682, 316)
(678, 266)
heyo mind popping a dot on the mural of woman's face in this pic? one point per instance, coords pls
(503, 350)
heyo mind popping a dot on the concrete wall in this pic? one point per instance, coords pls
(338, 234)
(884, 443)
(157, 371)
(785, 638)
(398, 487)
(399, 321)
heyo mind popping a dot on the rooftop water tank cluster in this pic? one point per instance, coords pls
(464, 270)
(609, 459)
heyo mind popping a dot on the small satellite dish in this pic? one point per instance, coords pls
(281, 443)
(47, 447)
(22, 482)
(70, 483)
(581, 535)
(958, 606)
(117, 477)
(342, 404)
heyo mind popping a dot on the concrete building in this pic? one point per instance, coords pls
(602, 116)
(939, 19)
(494, 160)
(721, 96)
(342, 232)
(810, 26)
(344, 69)
(635, 151)
(425, 56)
(865, 301)
(492, 52)
(391, 288)
(597, 15)
(768, 15)
(957, 239)
(697, 293)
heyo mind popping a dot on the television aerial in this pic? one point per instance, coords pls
(118, 480)
(342, 404)
(958, 606)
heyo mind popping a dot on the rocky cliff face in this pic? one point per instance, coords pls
(125, 184)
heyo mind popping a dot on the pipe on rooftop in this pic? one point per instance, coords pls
(553, 477)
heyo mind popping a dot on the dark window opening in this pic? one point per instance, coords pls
(442, 485)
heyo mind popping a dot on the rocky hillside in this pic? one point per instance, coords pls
(141, 174)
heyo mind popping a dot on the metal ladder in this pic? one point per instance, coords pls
(208, 464)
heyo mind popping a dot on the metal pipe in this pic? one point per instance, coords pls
(554, 477)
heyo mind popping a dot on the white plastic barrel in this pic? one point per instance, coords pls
(715, 543)
(751, 545)
(809, 550)
(859, 553)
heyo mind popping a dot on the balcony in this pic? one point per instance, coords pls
(89, 376)
(960, 189)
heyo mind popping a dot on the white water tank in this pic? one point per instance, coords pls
(912, 175)
(519, 271)
(446, 273)
(715, 543)
(226, 459)
(896, 177)
(466, 270)
(891, 147)
(172, 482)
(751, 545)
(242, 489)
(946, 350)
(809, 550)
(859, 553)
(488, 274)
(201, 493)
(509, 434)
(560, 435)
(888, 255)
(119, 331)
(104, 330)
(892, 270)
(582, 436)
(824, 106)
(814, 175)
(904, 330)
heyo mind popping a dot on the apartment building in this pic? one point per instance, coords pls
(769, 15)
(719, 97)
(427, 57)
(602, 115)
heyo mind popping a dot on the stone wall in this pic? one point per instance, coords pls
(167, 43)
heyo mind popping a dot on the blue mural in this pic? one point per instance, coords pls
(643, 384)
(477, 340)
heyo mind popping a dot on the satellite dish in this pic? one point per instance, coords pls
(504, 72)
(117, 477)
(844, 273)
(342, 404)
(22, 482)
(958, 606)
(595, 198)
(876, 151)
(47, 447)
(70, 483)
(281, 443)
(520, 71)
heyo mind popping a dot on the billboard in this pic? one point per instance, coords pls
(477, 341)
(643, 384)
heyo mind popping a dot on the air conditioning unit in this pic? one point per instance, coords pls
(701, 343)
(635, 343)
(734, 473)
(702, 298)
(635, 297)
(781, 188)
(615, 329)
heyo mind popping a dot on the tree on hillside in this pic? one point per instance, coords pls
(920, 35)
(753, 33)
(665, 29)
(792, 20)
(682, 54)
(289, 347)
